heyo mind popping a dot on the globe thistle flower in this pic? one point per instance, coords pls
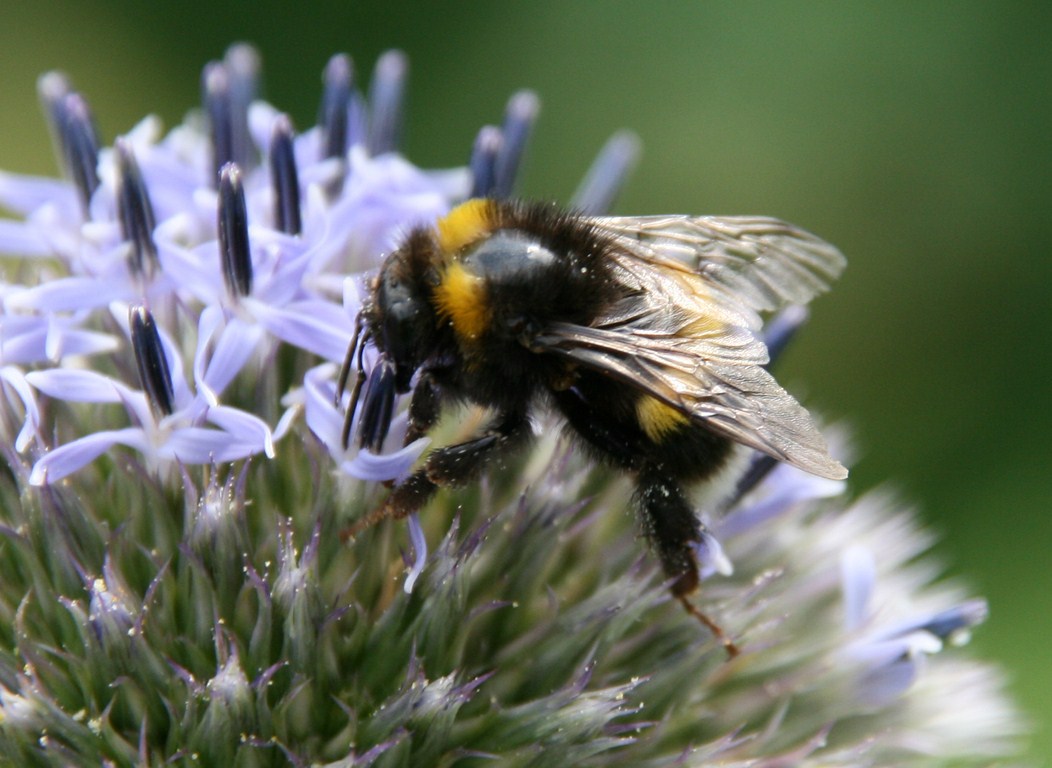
(190, 295)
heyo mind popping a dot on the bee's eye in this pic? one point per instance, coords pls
(393, 291)
(402, 321)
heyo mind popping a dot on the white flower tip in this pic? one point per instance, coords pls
(411, 577)
(207, 393)
(711, 557)
(959, 638)
(923, 643)
(416, 536)
(38, 475)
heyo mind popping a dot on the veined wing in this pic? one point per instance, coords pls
(726, 394)
(684, 333)
(764, 262)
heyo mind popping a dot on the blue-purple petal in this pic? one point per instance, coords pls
(236, 344)
(247, 430)
(80, 386)
(15, 379)
(319, 327)
(25, 194)
(18, 238)
(389, 466)
(322, 418)
(711, 557)
(67, 459)
(71, 294)
(419, 541)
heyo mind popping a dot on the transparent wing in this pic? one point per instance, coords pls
(766, 263)
(736, 399)
(684, 330)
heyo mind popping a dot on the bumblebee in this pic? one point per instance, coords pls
(641, 332)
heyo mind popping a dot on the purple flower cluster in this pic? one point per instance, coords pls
(193, 255)
(227, 244)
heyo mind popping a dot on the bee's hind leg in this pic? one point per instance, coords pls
(674, 531)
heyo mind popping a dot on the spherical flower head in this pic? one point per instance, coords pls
(185, 574)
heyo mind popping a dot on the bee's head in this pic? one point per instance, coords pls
(400, 322)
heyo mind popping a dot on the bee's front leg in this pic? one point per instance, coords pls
(424, 407)
(452, 465)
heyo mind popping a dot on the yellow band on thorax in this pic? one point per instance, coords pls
(467, 223)
(461, 298)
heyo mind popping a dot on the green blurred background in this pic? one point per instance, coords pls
(916, 136)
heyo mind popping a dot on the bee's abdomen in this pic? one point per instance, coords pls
(632, 429)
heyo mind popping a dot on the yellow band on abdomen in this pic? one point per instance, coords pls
(657, 419)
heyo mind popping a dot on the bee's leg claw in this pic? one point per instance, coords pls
(402, 502)
(674, 529)
(449, 466)
(728, 644)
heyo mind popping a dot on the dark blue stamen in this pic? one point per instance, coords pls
(52, 87)
(135, 211)
(215, 86)
(519, 118)
(760, 467)
(82, 147)
(333, 118)
(335, 101)
(952, 620)
(73, 133)
(234, 250)
(284, 177)
(608, 173)
(488, 144)
(386, 103)
(242, 64)
(151, 361)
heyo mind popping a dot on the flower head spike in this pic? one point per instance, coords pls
(179, 604)
(337, 96)
(340, 121)
(608, 173)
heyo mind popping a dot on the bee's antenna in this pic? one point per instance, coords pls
(358, 343)
(345, 369)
